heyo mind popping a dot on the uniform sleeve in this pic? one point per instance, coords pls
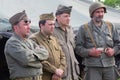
(62, 60)
(24, 56)
(80, 41)
(49, 67)
(72, 36)
(40, 52)
(116, 40)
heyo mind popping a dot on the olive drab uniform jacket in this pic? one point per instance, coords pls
(24, 57)
(56, 57)
(67, 42)
(103, 38)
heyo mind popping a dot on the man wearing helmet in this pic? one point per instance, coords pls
(98, 42)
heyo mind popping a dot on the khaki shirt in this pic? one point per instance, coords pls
(56, 57)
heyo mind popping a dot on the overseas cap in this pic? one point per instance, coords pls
(18, 17)
(63, 9)
(47, 16)
(94, 6)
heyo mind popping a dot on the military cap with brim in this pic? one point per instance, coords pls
(18, 17)
(63, 9)
(47, 16)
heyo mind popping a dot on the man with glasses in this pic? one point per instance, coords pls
(22, 54)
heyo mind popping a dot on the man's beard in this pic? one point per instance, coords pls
(98, 19)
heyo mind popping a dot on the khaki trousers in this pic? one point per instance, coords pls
(30, 78)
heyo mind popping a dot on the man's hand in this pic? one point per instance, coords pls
(109, 51)
(95, 52)
(55, 77)
(59, 72)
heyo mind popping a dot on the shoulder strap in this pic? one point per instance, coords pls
(109, 25)
(90, 34)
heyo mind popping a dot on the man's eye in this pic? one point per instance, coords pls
(27, 21)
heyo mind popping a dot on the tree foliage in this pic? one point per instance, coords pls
(112, 3)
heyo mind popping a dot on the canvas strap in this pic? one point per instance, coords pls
(89, 32)
(109, 25)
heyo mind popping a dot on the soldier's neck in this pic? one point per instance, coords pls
(63, 27)
(97, 23)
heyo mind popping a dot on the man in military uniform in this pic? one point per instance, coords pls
(98, 41)
(22, 54)
(54, 66)
(64, 33)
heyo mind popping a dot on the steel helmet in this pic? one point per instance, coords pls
(94, 6)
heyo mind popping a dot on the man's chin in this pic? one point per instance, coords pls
(98, 20)
(27, 35)
(66, 24)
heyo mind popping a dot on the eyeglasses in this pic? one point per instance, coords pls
(27, 21)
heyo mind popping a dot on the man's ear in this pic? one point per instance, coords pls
(15, 27)
(41, 25)
(57, 16)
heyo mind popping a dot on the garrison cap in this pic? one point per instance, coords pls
(47, 16)
(63, 9)
(18, 17)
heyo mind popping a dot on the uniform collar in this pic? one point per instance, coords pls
(44, 37)
(18, 37)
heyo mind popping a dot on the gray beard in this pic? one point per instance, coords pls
(97, 19)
